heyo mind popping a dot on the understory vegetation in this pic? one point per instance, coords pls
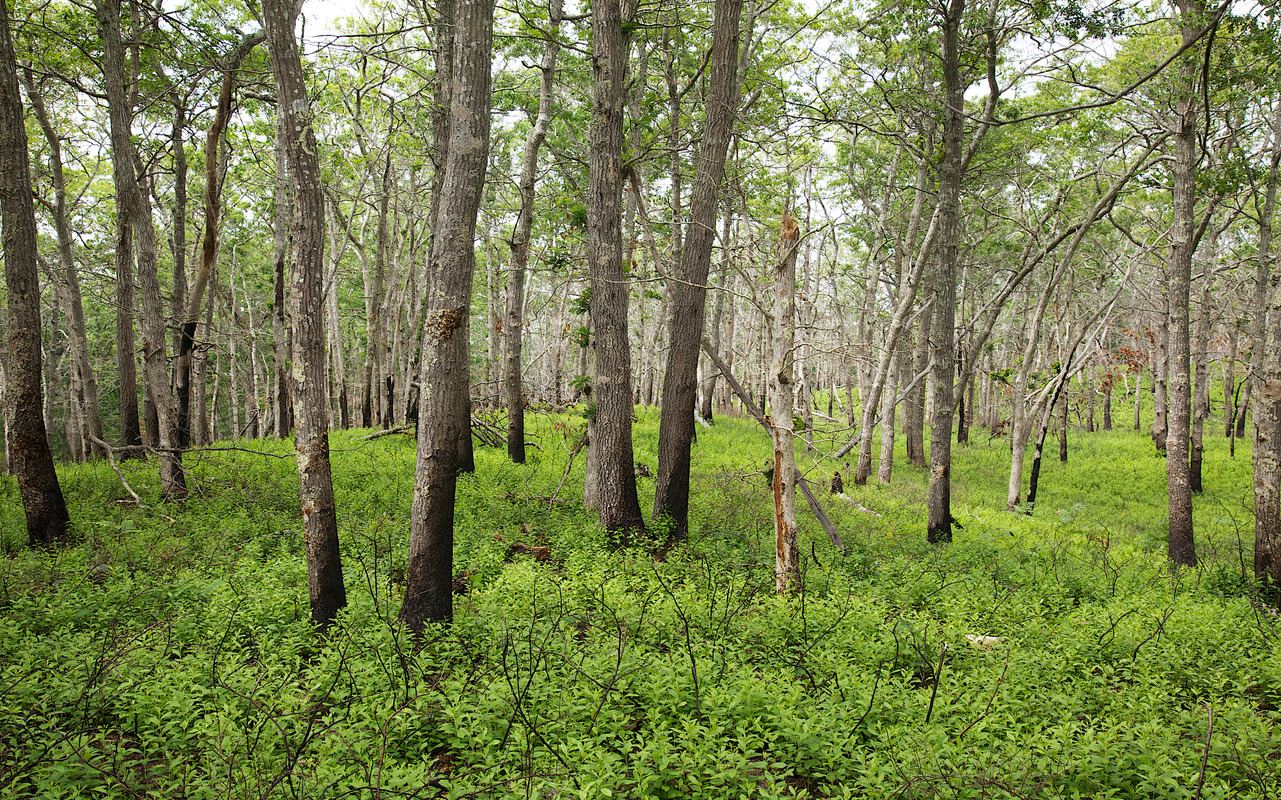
(168, 652)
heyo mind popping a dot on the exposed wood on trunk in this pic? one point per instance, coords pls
(787, 566)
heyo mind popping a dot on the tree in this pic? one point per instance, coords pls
(680, 380)
(306, 305)
(787, 557)
(1183, 243)
(209, 243)
(82, 367)
(134, 206)
(32, 462)
(443, 416)
(618, 507)
(943, 281)
(513, 397)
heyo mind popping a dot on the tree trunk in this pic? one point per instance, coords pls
(133, 203)
(514, 328)
(32, 461)
(306, 306)
(83, 366)
(443, 411)
(1266, 453)
(787, 564)
(1183, 244)
(680, 378)
(209, 244)
(618, 506)
(282, 408)
(943, 289)
(1201, 384)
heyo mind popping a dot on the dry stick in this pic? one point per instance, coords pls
(938, 677)
(988, 707)
(819, 513)
(111, 459)
(1205, 754)
(582, 440)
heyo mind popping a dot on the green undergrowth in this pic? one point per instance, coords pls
(167, 651)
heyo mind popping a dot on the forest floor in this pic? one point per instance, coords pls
(166, 652)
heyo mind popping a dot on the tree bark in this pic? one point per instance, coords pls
(680, 378)
(618, 507)
(281, 405)
(514, 327)
(1266, 453)
(31, 459)
(443, 415)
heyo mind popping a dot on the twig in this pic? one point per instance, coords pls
(988, 707)
(1205, 754)
(582, 440)
(938, 676)
(112, 461)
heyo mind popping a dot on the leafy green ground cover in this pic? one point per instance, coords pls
(167, 653)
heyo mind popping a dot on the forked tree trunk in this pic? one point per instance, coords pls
(32, 462)
(209, 244)
(307, 316)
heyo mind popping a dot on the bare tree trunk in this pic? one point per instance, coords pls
(31, 460)
(443, 410)
(680, 378)
(787, 563)
(1161, 373)
(1201, 388)
(619, 508)
(513, 330)
(280, 400)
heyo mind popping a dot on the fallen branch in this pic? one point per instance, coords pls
(815, 508)
(386, 432)
(137, 501)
